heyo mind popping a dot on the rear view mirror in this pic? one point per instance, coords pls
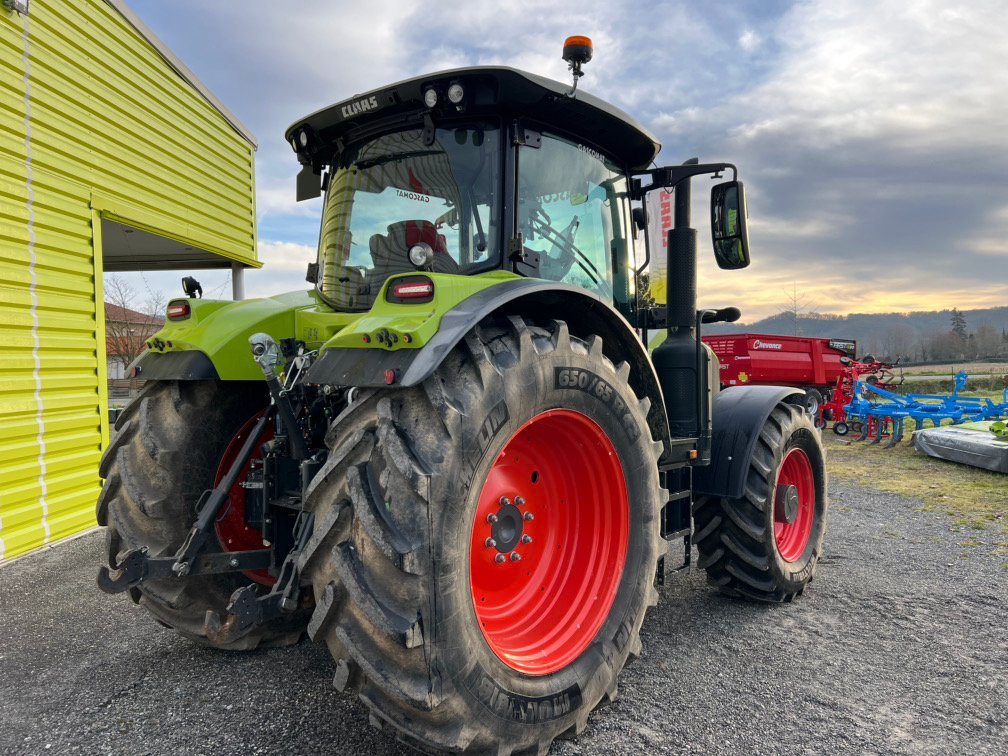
(728, 225)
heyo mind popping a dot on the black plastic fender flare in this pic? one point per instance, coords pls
(584, 313)
(191, 365)
(738, 415)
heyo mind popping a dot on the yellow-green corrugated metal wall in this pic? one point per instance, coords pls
(93, 123)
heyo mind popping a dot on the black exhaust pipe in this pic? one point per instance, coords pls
(682, 253)
(675, 360)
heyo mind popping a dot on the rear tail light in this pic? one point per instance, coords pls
(178, 310)
(411, 290)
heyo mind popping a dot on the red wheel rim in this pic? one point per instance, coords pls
(559, 496)
(232, 531)
(792, 537)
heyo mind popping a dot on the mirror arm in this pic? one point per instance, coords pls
(671, 175)
(647, 242)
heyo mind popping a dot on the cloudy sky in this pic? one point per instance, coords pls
(872, 135)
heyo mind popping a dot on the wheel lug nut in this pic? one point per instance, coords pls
(515, 556)
(529, 516)
(490, 543)
(504, 501)
(526, 538)
(491, 518)
(500, 558)
(519, 501)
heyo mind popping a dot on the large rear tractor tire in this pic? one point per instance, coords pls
(766, 544)
(164, 455)
(486, 543)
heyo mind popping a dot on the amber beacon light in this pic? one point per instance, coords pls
(576, 51)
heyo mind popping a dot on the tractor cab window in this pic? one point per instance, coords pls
(572, 211)
(396, 192)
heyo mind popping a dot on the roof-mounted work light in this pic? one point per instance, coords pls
(455, 93)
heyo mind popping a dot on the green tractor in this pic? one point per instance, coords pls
(454, 460)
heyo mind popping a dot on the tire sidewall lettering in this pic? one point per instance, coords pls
(594, 385)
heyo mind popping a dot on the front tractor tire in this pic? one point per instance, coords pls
(766, 544)
(165, 453)
(486, 543)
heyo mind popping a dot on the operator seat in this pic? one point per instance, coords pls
(390, 253)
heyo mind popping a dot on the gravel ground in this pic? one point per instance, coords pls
(899, 645)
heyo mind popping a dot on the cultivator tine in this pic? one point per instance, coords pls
(879, 428)
(897, 433)
(865, 428)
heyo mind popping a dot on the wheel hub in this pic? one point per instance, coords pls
(233, 532)
(506, 526)
(787, 503)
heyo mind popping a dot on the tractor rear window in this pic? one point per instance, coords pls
(395, 193)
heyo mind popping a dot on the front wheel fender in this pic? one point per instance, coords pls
(738, 414)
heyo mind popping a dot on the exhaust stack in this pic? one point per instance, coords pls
(676, 359)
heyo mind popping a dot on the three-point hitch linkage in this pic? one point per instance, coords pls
(248, 607)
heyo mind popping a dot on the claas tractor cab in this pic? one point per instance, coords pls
(453, 460)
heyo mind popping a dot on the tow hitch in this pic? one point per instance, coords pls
(247, 609)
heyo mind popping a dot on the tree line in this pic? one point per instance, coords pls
(958, 342)
(921, 336)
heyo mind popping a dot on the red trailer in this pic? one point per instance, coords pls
(762, 359)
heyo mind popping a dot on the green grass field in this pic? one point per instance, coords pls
(973, 368)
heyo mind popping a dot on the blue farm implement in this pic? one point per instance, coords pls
(869, 370)
(882, 413)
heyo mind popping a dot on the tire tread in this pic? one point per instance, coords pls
(371, 576)
(733, 536)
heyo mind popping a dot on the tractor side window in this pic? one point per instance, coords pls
(572, 212)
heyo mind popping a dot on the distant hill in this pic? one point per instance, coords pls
(919, 336)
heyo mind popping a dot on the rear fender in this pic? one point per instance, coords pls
(540, 301)
(738, 413)
(212, 342)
